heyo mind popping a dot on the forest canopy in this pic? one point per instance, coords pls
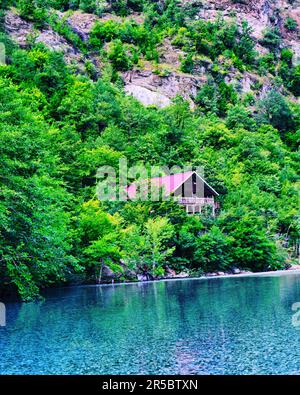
(58, 125)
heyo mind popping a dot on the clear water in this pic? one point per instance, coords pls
(240, 325)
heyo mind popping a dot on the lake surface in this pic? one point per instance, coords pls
(236, 325)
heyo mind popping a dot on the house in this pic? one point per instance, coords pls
(188, 188)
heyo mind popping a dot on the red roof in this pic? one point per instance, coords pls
(168, 183)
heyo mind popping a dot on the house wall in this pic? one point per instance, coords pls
(186, 190)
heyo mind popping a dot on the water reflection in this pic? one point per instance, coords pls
(216, 326)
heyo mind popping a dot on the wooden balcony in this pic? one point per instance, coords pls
(195, 205)
(195, 200)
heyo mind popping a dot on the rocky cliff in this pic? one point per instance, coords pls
(158, 83)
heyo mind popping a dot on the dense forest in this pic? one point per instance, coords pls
(60, 121)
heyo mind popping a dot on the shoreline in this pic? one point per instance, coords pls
(272, 273)
(46, 292)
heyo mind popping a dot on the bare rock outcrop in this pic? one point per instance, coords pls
(22, 31)
(152, 89)
(81, 23)
(18, 28)
(260, 15)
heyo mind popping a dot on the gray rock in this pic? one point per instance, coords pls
(152, 89)
(182, 275)
(169, 273)
(294, 267)
(20, 30)
(81, 23)
(213, 274)
(146, 96)
(107, 273)
(144, 277)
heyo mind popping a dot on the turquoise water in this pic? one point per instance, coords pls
(239, 325)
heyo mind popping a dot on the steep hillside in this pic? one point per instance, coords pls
(177, 65)
(200, 83)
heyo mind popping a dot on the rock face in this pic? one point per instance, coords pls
(152, 89)
(170, 55)
(160, 87)
(169, 273)
(260, 14)
(146, 96)
(17, 28)
(21, 30)
(182, 275)
(81, 23)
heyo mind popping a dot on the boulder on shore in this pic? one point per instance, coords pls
(182, 275)
(169, 273)
(145, 277)
(294, 267)
(107, 274)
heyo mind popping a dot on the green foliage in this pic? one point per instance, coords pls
(287, 56)
(33, 11)
(271, 39)
(60, 26)
(146, 246)
(290, 24)
(118, 55)
(60, 123)
(98, 233)
(216, 98)
(187, 64)
(239, 117)
(213, 39)
(34, 220)
(274, 109)
(128, 32)
(213, 251)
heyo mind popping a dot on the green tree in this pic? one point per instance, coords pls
(274, 109)
(213, 251)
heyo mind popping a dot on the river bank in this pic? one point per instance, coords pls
(172, 275)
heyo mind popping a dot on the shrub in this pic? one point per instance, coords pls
(290, 24)
(118, 55)
(274, 109)
(271, 39)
